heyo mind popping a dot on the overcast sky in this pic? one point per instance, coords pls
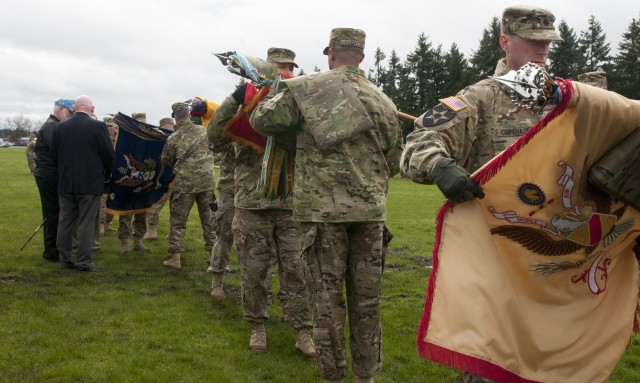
(141, 56)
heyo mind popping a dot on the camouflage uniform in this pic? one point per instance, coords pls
(347, 148)
(31, 154)
(187, 151)
(597, 79)
(261, 228)
(223, 216)
(481, 121)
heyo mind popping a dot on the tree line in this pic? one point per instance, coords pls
(429, 72)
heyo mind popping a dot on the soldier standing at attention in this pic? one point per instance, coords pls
(106, 219)
(31, 154)
(187, 152)
(462, 133)
(153, 217)
(348, 145)
(262, 227)
(139, 227)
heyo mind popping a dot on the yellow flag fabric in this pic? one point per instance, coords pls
(538, 282)
(211, 108)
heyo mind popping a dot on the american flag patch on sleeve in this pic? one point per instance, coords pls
(453, 103)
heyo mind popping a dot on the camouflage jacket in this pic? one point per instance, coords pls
(187, 151)
(248, 162)
(31, 155)
(487, 123)
(348, 144)
(226, 176)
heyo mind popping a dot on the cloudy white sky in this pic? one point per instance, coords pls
(141, 56)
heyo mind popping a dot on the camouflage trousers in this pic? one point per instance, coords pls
(153, 216)
(104, 217)
(346, 256)
(139, 225)
(180, 207)
(222, 220)
(258, 235)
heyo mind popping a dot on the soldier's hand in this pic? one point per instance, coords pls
(455, 182)
(239, 93)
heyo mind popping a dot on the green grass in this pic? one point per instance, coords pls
(141, 322)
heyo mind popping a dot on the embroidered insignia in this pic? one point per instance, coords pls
(437, 115)
(531, 194)
(453, 103)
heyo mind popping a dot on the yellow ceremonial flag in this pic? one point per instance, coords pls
(538, 282)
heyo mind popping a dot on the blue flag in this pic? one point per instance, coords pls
(138, 178)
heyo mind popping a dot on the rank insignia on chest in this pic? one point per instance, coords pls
(453, 103)
(437, 115)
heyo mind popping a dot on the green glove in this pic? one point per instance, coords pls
(455, 182)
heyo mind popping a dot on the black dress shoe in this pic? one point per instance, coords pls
(67, 265)
(93, 269)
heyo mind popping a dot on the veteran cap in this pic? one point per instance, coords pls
(346, 37)
(597, 79)
(529, 22)
(65, 103)
(139, 116)
(282, 56)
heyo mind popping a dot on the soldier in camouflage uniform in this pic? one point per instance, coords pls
(153, 217)
(187, 152)
(139, 219)
(263, 227)
(462, 133)
(597, 79)
(31, 154)
(348, 143)
(223, 218)
(105, 218)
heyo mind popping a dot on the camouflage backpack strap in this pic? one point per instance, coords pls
(330, 106)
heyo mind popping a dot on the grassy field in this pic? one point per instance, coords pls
(141, 322)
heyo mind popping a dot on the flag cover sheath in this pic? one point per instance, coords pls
(538, 282)
(138, 178)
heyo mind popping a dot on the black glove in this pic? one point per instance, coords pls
(239, 93)
(455, 182)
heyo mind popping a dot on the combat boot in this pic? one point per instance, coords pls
(151, 233)
(138, 246)
(334, 381)
(101, 229)
(364, 380)
(109, 227)
(124, 246)
(305, 345)
(258, 340)
(174, 261)
(217, 293)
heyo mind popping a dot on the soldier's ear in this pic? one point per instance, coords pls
(504, 43)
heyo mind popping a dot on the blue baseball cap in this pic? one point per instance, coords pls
(65, 103)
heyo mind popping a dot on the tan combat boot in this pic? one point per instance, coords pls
(151, 234)
(124, 246)
(101, 229)
(258, 340)
(217, 293)
(174, 261)
(138, 246)
(305, 345)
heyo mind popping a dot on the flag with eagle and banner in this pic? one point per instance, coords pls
(539, 280)
(138, 178)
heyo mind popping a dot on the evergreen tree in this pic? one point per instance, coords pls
(484, 60)
(458, 75)
(566, 58)
(392, 79)
(301, 72)
(625, 77)
(377, 74)
(594, 47)
(438, 80)
(419, 66)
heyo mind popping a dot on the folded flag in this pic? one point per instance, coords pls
(138, 178)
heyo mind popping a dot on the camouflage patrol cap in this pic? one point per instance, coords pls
(107, 119)
(530, 23)
(138, 116)
(167, 120)
(282, 56)
(178, 106)
(597, 79)
(346, 37)
(32, 136)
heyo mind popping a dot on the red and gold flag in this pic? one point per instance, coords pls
(538, 282)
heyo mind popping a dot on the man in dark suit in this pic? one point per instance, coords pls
(84, 155)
